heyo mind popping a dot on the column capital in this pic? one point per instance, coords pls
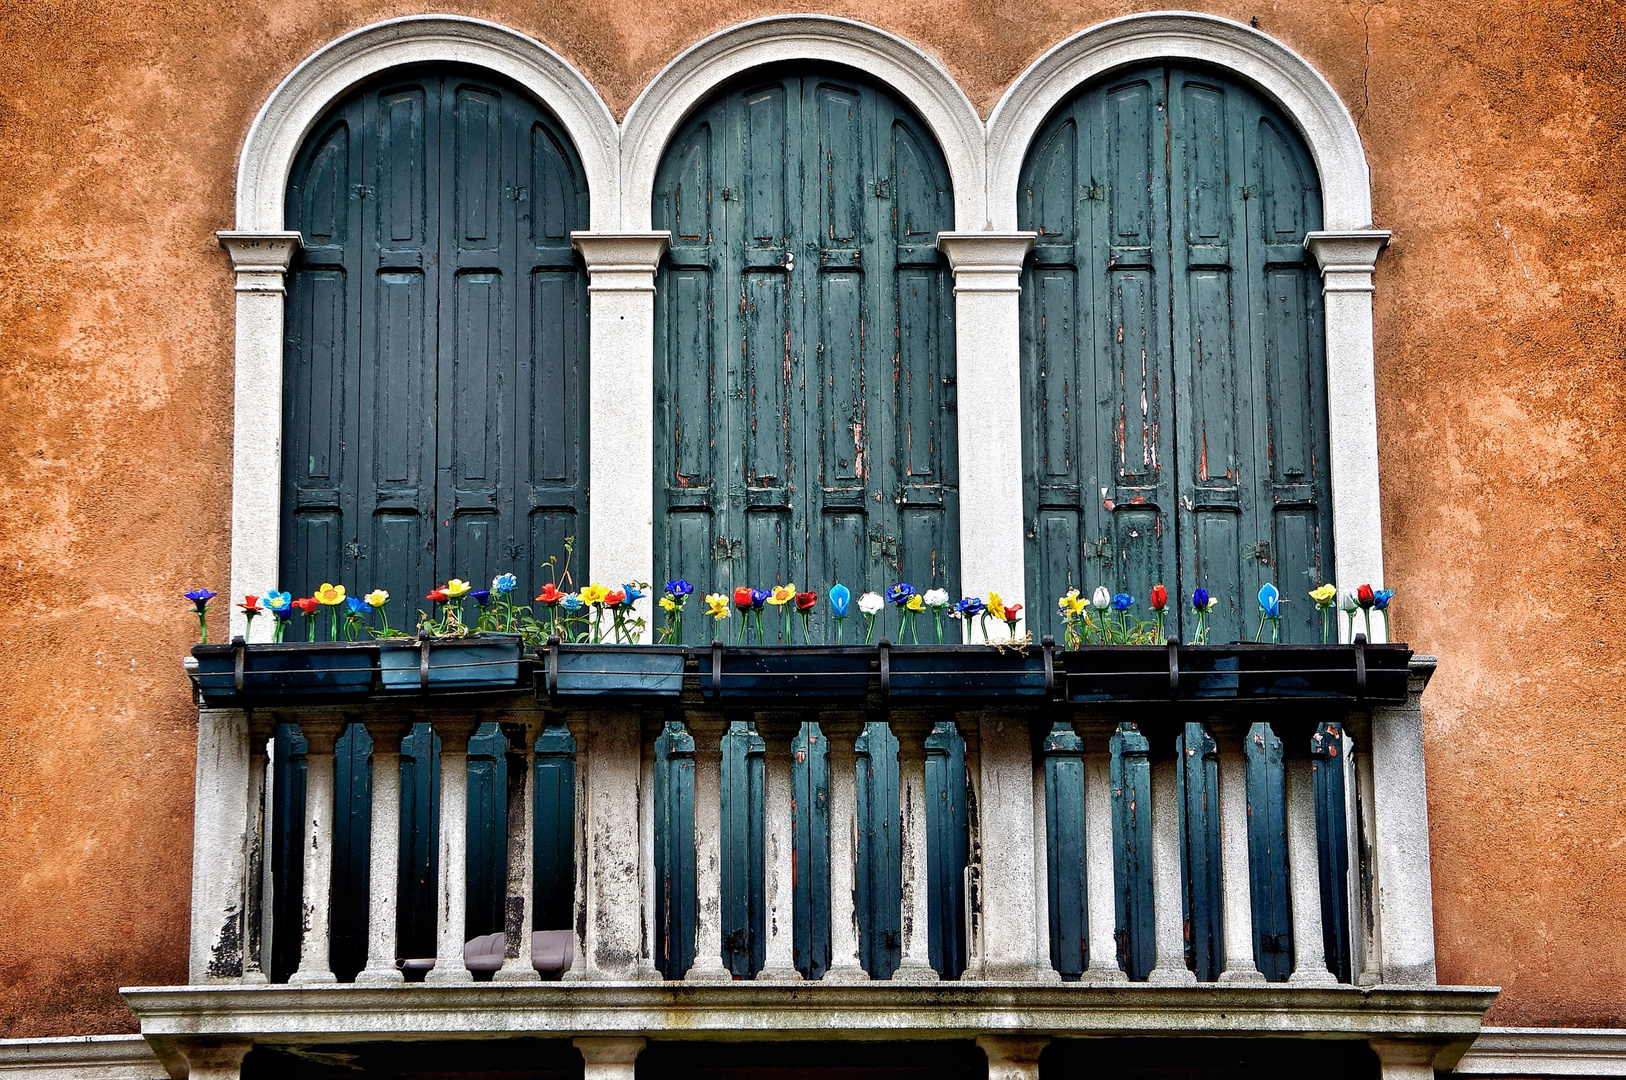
(215, 1061)
(609, 1057)
(986, 261)
(1347, 259)
(621, 261)
(260, 259)
(1013, 1057)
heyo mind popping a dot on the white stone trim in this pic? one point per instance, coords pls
(905, 69)
(1534, 1051)
(1280, 73)
(81, 1057)
(295, 105)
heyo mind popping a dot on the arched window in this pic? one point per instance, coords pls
(1174, 383)
(804, 352)
(434, 408)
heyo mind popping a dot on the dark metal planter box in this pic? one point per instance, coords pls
(622, 672)
(976, 671)
(836, 672)
(298, 669)
(1240, 671)
(482, 660)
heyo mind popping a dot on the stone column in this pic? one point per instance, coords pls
(610, 1058)
(1234, 872)
(621, 398)
(222, 788)
(1012, 880)
(384, 853)
(915, 965)
(452, 891)
(215, 1061)
(517, 914)
(1402, 1060)
(779, 961)
(844, 965)
(1347, 260)
(708, 859)
(1405, 887)
(1168, 935)
(1303, 869)
(612, 886)
(1013, 1057)
(1100, 870)
(988, 362)
(260, 261)
(321, 734)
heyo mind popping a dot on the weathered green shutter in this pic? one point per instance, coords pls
(1202, 894)
(878, 885)
(1267, 853)
(675, 888)
(810, 850)
(744, 909)
(434, 411)
(1173, 378)
(1064, 832)
(1131, 771)
(948, 848)
(804, 346)
(1332, 845)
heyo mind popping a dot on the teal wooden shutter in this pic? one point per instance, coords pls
(804, 345)
(435, 383)
(1173, 376)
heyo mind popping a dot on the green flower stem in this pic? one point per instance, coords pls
(1162, 638)
(807, 631)
(756, 614)
(310, 629)
(937, 620)
(203, 628)
(838, 620)
(869, 628)
(277, 628)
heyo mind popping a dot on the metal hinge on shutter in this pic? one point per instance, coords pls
(361, 191)
(883, 189)
(1093, 192)
(728, 195)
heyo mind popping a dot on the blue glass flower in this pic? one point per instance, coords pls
(840, 597)
(679, 588)
(571, 603)
(758, 598)
(1199, 599)
(481, 596)
(900, 593)
(1123, 601)
(1270, 601)
(970, 607)
(504, 584)
(278, 602)
(200, 598)
(1381, 598)
(357, 605)
(632, 595)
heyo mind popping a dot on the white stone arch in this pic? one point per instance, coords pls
(919, 80)
(326, 75)
(261, 248)
(1346, 247)
(1284, 77)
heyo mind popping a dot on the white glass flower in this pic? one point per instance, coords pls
(871, 603)
(936, 598)
(1102, 599)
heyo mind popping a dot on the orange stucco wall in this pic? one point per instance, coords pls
(1494, 133)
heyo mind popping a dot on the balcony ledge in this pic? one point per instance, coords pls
(1446, 1016)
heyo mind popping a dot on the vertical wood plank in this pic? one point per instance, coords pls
(1132, 849)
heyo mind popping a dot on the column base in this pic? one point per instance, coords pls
(312, 978)
(1248, 974)
(846, 976)
(1019, 973)
(1315, 976)
(779, 975)
(441, 975)
(254, 978)
(1104, 974)
(708, 971)
(516, 972)
(1171, 975)
(916, 972)
(379, 976)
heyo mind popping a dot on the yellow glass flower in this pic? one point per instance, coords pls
(331, 595)
(668, 604)
(377, 598)
(457, 587)
(1072, 603)
(996, 606)
(914, 603)
(782, 594)
(594, 593)
(717, 606)
(1325, 594)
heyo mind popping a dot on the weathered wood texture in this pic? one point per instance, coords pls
(948, 848)
(675, 887)
(436, 376)
(879, 884)
(1173, 376)
(810, 824)
(744, 930)
(1202, 891)
(1267, 854)
(1132, 849)
(804, 349)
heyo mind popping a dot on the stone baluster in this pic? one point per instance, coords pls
(844, 966)
(1234, 872)
(915, 965)
(1168, 936)
(321, 735)
(1303, 869)
(1014, 880)
(1100, 871)
(708, 862)
(452, 890)
(384, 854)
(610, 776)
(517, 903)
(779, 956)
(220, 830)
